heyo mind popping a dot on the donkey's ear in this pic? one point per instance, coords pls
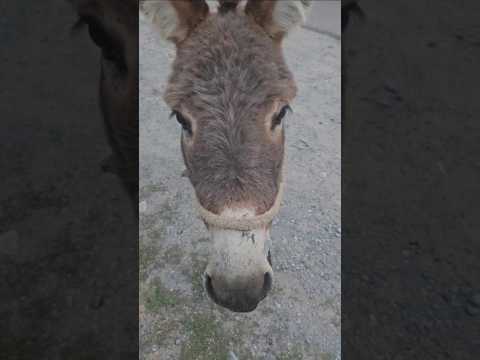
(175, 18)
(278, 17)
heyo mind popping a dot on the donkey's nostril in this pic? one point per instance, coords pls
(269, 258)
(238, 297)
(267, 284)
(209, 287)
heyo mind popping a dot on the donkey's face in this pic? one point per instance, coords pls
(230, 90)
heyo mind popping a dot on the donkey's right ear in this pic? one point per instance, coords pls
(175, 18)
(278, 17)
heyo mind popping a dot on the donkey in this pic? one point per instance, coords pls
(230, 90)
(113, 27)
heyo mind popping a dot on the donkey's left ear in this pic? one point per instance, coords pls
(278, 17)
(175, 19)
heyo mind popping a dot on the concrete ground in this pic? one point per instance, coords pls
(324, 17)
(300, 319)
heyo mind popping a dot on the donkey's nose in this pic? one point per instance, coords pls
(239, 296)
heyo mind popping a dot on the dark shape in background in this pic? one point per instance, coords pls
(350, 8)
(410, 178)
(68, 232)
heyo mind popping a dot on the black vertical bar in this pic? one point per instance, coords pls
(68, 230)
(410, 181)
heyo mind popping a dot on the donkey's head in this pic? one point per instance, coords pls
(113, 27)
(230, 90)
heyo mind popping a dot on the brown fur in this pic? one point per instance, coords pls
(228, 75)
(263, 12)
(191, 13)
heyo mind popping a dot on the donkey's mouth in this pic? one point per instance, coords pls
(239, 274)
(238, 300)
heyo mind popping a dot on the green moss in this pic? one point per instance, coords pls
(161, 331)
(237, 340)
(329, 302)
(147, 255)
(156, 234)
(153, 188)
(295, 353)
(198, 267)
(157, 297)
(205, 340)
(147, 190)
(327, 356)
(165, 215)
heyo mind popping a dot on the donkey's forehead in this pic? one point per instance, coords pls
(229, 59)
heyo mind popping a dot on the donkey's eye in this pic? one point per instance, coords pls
(186, 125)
(277, 119)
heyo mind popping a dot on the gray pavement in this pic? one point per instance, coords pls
(324, 16)
(300, 319)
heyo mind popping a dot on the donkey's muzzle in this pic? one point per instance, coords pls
(239, 297)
